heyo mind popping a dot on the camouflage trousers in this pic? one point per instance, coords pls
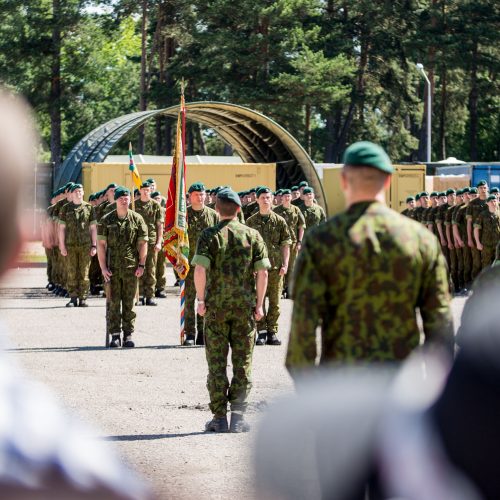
(77, 267)
(60, 269)
(460, 267)
(49, 252)
(446, 253)
(192, 321)
(147, 283)
(236, 330)
(291, 264)
(95, 275)
(269, 322)
(467, 258)
(161, 276)
(122, 288)
(487, 256)
(453, 267)
(476, 262)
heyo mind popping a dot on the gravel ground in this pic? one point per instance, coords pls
(151, 401)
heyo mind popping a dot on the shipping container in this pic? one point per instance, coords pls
(444, 182)
(490, 172)
(241, 176)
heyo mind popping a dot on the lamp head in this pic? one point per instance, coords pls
(419, 66)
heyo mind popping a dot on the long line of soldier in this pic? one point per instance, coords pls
(467, 224)
(77, 233)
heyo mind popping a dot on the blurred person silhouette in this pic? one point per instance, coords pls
(43, 452)
(426, 430)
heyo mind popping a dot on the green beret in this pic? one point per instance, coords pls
(367, 154)
(491, 197)
(434, 193)
(253, 190)
(465, 190)
(155, 194)
(424, 193)
(410, 198)
(442, 193)
(308, 190)
(417, 197)
(121, 191)
(303, 184)
(75, 186)
(294, 188)
(91, 197)
(494, 190)
(473, 190)
(151, 180)
(112, 185)
(229, 195)
(136, 192)
(482, 183)
(286, 191)
(68, 187)
(197, 186)
(459, 192)
(145, 184)
(450, 191)
(278, 192)
(263, 190)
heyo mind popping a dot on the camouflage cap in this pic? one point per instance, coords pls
(450, 191)
(481, 183)
(75, 186)
(367, 154)
(410, 198)
(121, 191)
(491, 197)
(197, 186)
(308, 190)
(228, 194)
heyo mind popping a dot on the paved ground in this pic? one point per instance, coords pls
(150, 401)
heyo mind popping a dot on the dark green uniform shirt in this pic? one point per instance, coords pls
(489, 224)
(122, 237)
(461, 222)
(231, 252)
(198, 220)
(313, 216)
(294, 218)
(361, 276)
(476, 206)
(77, 219)
(274, 230)
(151, 213)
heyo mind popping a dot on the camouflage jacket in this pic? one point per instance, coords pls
(313, 216)
(122, 237)
(407, 212)
(250, 209)
(198, 220)
(460, 221)
(440, 215)
(151, 213)
(77, 220)
(294, 218)
(489, 224)
(274, 231)
(360, 277)
(476, 206)
(231, 252)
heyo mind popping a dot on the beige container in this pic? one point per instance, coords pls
(444, 182)
(241, 176)
(406, 181)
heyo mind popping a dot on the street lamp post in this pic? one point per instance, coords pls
(420, 67)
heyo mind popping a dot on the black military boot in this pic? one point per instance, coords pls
(261, 338)
(238, 423)
(73, 302)
(189, 340)
(217, 424)
(200, 339)
(50, 287)
(160, 294)
(115, 341)
(128, 342)
(151, 302)
(82, 303)
(272, 339)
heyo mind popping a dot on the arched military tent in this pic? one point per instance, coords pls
(253, 136)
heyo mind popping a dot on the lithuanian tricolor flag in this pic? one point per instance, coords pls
(136, 178)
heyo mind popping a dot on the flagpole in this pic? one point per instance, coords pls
(182, 282)
(132, 179)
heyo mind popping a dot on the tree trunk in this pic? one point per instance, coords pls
(55, 87)
(473, 100)
(159, 136)
(308, 128)
(442, 114)
(142, 90)
(200, 139)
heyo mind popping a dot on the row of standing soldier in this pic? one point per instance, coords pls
(467, 224)
(71, 242)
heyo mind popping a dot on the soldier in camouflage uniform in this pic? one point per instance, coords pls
(418, 205)
(274, 230)
(459, 224)
(312, 212)
(448, 215)
(459, 283)
(150, 211)
(299, 202)
(296, 225)
(122, 237)
(231, 299)
(199, 217)
(487, 231)
(161, 279)
(251, 207)
(441, 230)
(421, 212)
(410, 206)
(362, 275)
(77, 243)
(475, 207)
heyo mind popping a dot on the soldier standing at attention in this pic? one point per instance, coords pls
(296, 224)
(161, 280)
(77, 243)
(361, 276)
(199, 217)
(410, 206)
(416, 209)
(312, 212)
(430, 216)
(274, 231)
(299, 202)
(150, 211)
(441, 230)
(230, 298)
(122, 237)
(448, 216)
(475, 207)
(487, 231)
